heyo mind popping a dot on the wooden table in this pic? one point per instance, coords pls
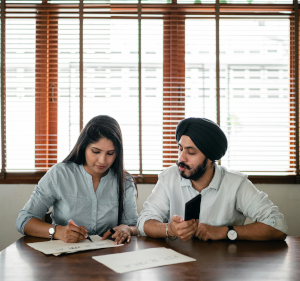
(219, 260)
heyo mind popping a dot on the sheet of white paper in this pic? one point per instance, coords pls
(58, 247)
(142, 259)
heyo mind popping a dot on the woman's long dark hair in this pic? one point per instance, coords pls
(102, 126)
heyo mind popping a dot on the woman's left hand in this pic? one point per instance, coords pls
(122, 232)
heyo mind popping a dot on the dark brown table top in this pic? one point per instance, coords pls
(216, 260)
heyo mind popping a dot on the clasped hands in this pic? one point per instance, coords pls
(185, 230)
(122, 232)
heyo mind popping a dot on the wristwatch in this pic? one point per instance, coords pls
(52, 231)
(231, 234)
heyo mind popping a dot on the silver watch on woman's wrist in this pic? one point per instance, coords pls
(52, 231)
(172, 238)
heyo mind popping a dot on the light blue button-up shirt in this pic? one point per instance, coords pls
(69, 189)
(228, 200)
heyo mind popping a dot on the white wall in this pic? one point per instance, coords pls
(13, 198)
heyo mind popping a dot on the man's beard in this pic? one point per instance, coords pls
(198, 173)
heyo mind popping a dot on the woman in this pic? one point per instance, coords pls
(90, 186)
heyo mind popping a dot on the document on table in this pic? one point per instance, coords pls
(57, 247)
(154, 257)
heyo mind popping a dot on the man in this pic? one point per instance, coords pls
(228, 197)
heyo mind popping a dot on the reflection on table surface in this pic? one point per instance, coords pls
(216, 260)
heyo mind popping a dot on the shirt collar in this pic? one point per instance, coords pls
(214, 183)
(106, 177)
(216, 180)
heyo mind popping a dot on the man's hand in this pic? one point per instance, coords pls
(185, 230)
(208, 232)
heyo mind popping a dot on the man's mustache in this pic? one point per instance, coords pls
(181, 164)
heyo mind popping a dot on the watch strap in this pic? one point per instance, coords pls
(230, 227)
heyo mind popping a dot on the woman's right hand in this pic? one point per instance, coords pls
(70, 233)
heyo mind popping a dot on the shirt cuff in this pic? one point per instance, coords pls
(21, 227)
(277, 222)
(141, 222)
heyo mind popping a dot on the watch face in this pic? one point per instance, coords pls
(51, 230)
(232, 235)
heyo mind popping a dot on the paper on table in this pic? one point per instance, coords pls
(58, 247)
(154, 257)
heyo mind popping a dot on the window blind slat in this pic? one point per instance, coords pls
(178, 79)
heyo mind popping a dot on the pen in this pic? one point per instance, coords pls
(73, 223)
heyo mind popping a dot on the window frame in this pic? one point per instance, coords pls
(173, 15)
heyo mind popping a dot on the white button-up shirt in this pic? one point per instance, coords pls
(228, 200)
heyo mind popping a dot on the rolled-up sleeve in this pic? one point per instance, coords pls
(130, 215)
(258, 207)
(39, 203)
(156, 207)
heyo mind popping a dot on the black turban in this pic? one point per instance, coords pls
(205, 134)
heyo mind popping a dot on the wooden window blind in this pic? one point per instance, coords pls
(149, 64)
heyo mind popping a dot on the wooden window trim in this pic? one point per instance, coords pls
(49, 56)
(290, 179)
(34, 177)
(46, 88)
(3, 92)
(174, 80)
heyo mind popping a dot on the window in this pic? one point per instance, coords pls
(149, 64)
